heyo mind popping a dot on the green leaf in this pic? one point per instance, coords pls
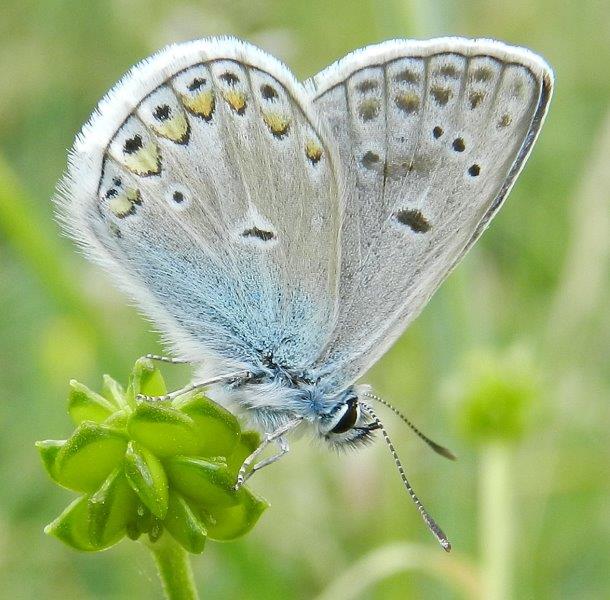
(89, 456)
(72, 526)
(86, 405)
(49, 449)
(184, 525)
(249, 441)
(208, 483)
(110, 509)
(163, 430)
(224, 524)
(217, 430)
(146, 475)
(145, 379)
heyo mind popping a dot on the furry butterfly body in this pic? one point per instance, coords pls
(285, 234)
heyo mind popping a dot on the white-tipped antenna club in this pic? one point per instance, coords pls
(428, 520)
(431, 443)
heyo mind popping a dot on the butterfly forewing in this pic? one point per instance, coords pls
(205, 186)
(431, 136)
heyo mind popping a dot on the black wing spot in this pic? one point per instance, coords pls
(196, 84)
(474, 170)
(482, 74)
(116, 181)
(458, 145)
(178, 197)
(370, 159)
(441, 95)
(268, 92)
(230, 78)
(162, 112)
(406, 76)
(133, 144)
(413, 219)
(505, 121)
(449, 71)
(367, 86)
(437, 132)
(261, 234)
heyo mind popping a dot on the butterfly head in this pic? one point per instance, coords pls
(347, 425)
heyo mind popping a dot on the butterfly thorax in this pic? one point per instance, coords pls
(276, 394)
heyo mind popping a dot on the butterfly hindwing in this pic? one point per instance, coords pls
(204, 185)
(431, 136)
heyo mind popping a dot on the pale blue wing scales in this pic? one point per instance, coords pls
(204, 186)
(431, 136)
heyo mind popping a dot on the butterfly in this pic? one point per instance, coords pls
(282, 235)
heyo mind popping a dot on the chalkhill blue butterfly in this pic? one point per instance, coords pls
(282, 235)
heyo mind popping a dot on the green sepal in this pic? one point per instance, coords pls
(87, 405)
(207, 483)
(144, 379)
(118, 419)
(184, 525)
(217, 430)
(49, 449)
(113, 391)
(225, 524)
(249, 441)
(72, 526)
(163, 430)
(91, 453)
(110, 509)
(147, 478)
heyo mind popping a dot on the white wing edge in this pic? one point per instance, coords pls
(378, 54)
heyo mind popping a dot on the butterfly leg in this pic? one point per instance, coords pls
(236, 376)
(278, 437)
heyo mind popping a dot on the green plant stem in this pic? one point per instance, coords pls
(174, 569)
(496, 530)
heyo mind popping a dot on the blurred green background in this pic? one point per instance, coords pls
(508, 365)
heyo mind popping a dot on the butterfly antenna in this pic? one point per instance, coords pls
(431, 443)
(430, 522)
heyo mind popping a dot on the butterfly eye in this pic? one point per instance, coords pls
(349, 417)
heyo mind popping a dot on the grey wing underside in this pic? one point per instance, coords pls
(431, 136)
(204, 186)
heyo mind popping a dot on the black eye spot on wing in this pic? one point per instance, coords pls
(437, 132)
(441, 95)
(230, 78)
(406, 76)
(369, 109)
(505, 121)
(162, 112)
(482, 74)
(449, 71)
(474, 170)
(133, 144)
(196, 84)
(475, 99)
(261, 234)
(178, 197)
(370, 159)
(458, 145)
(413, 219)
(116, 181)
(366, 86)
(268, 93)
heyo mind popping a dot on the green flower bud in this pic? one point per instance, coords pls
(145, 467)
(497, 396)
